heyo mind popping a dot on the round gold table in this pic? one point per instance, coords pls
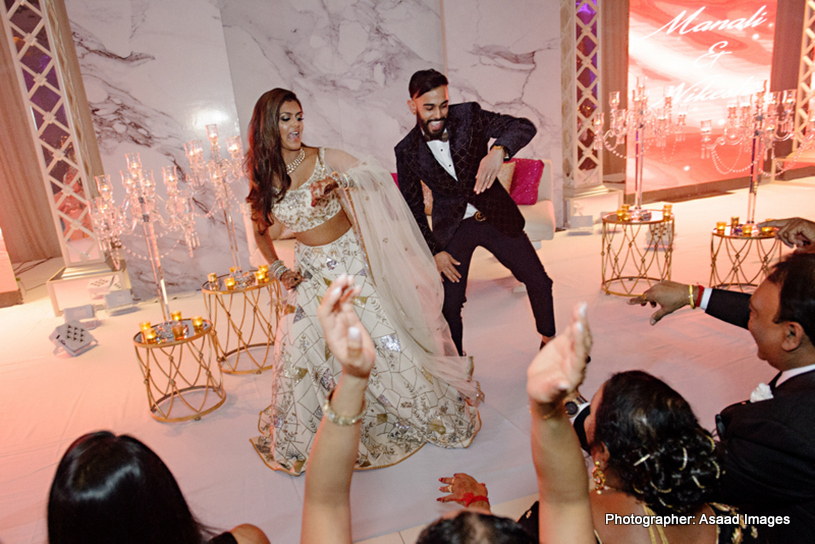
(636, 253)
(248, 315)
(181, 383)
(748, 257)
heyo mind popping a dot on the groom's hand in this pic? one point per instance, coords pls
(488, 169)
(446, 264)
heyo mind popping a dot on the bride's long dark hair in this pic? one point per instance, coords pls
(264, 161)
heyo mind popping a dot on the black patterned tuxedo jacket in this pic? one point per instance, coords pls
(470, 129)
(768, 447)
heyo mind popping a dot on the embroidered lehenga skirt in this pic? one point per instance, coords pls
(406, 406)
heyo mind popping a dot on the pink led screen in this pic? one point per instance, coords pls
(706, 56)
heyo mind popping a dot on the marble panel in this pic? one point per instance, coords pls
(349, 61)
(506, 56)
(156, 72)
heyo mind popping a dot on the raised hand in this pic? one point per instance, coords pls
(670, 296)
(344, 334)
(794, 232)
(560, 366)
(320, 189)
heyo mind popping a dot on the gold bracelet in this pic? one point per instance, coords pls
(335, 418)
(690, 297)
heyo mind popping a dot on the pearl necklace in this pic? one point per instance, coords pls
(292, 166)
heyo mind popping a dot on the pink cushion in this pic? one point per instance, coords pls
(524, 188)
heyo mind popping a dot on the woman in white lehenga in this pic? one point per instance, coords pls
(420, 390)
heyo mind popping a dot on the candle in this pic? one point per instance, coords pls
(198, 323)
(176, 316)
(666, 211)
(734, 221)
(230, 283)
(264, 268)
(178, 331)
(620, 214)
(720, 226)
(626, 207)
(747, 230)
(145, 325)
(233, 269)
(768, 231)
(260, 276)
(626, 216)
(149, 335)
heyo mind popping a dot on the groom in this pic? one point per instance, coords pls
(448, 150)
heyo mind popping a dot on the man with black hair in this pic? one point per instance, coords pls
(767, 444)
(449, 150)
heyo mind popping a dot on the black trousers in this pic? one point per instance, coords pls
(515, 253)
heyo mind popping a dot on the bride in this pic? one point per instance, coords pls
(349, 218)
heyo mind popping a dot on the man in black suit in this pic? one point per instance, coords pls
(448, 150)
(767, 446)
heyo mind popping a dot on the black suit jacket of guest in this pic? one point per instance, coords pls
(470, 129)
(768, 447)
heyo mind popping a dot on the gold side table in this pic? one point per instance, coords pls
(181, 383)
(636, 253)
(248, 323)
(748, 257)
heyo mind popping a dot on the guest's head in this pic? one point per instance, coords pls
(276, 127)
(115, 489)
(646, 439)
(429, 101)
(782, 313)
(469, 527)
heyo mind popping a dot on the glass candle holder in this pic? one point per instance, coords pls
(176, 316)
(620, 214)
(767, 231)
(149, 335)
(720, 226)
(144, 326)
(747, 230)
(230, 283)
(212, 277)
(260, 276)
(734, 221)
(626, 216)
(264, 268)
(198, 323)
(667, 210)
(178, 331)
(233, 269)
(626, 207)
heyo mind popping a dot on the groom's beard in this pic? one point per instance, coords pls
(432, 134)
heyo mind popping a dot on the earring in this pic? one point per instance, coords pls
(598, 477)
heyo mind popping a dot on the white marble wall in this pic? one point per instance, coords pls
(506, 56)
(156, 72)
(349, 62)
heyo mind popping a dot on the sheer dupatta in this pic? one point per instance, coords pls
(405, 273)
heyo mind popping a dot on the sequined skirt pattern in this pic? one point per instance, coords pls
(406, 406)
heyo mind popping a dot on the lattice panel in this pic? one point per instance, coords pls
(805, 74)
(587, 87)
(39, 73)
(580, 80)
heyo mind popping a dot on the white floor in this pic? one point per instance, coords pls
(47, 400)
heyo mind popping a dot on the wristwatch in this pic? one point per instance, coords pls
(573, 406)
(502, 148)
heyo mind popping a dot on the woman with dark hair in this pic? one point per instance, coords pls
(421, 390)
(115, 489)
(654, 466)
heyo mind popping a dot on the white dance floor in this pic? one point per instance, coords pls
(48, 400)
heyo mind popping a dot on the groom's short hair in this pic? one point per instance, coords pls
(424, 81)
(796, 277)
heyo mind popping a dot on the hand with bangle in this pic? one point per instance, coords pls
(288, 277)
(669, 296)
(465, 490)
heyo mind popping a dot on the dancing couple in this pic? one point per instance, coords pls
(349, 218)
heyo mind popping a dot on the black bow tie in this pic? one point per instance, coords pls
(443, 137)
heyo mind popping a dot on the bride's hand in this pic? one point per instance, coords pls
(561, 365)
(322, 188)
(344, 334)
(291, 279)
